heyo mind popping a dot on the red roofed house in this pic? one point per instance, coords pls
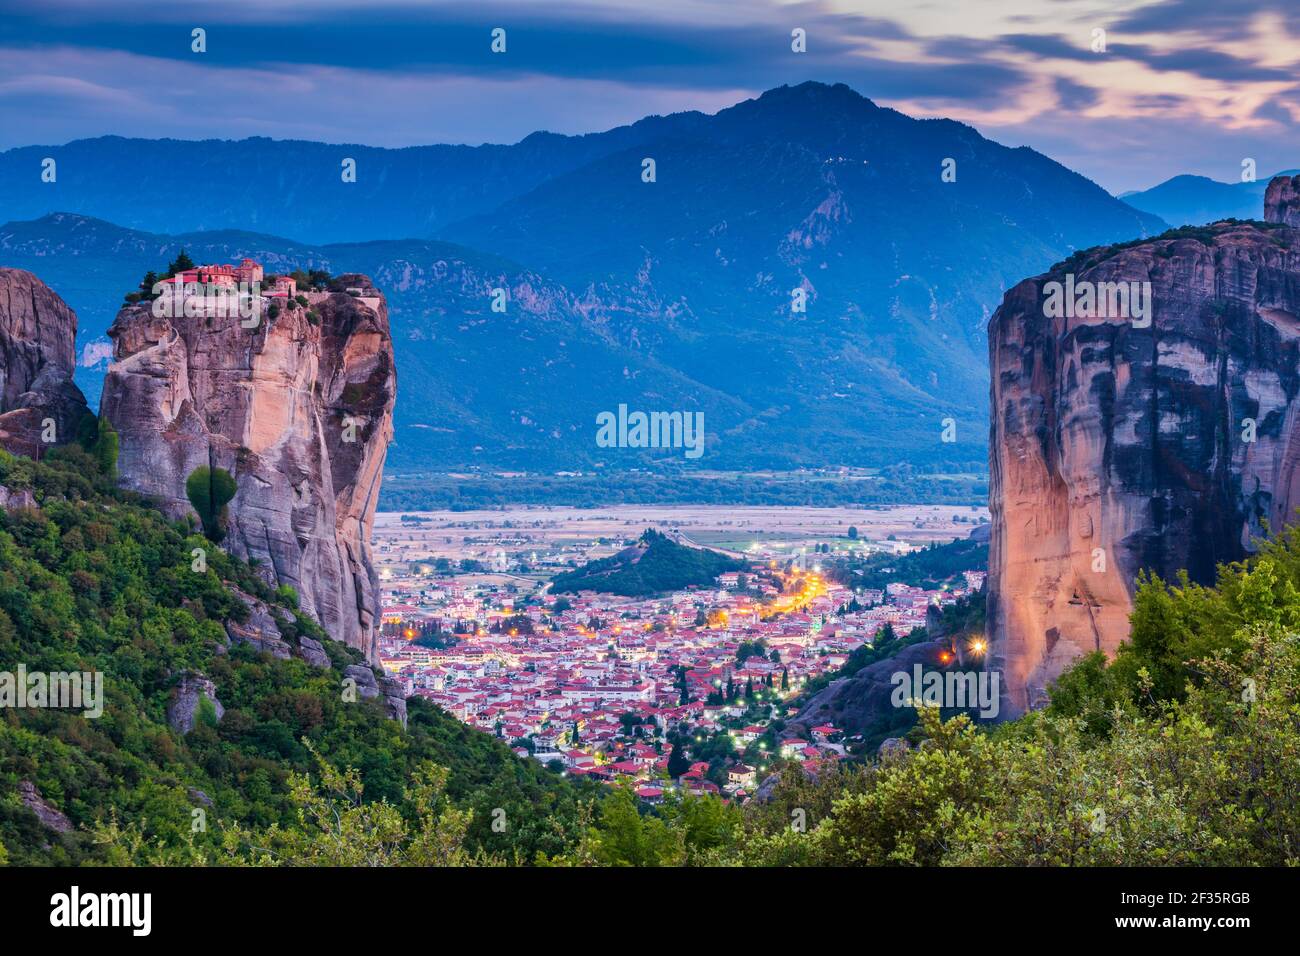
(741, 776)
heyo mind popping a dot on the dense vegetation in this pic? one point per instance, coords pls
(930, 568)
(430, 492)
(1206, 234)
(653, 565)
(93, 579)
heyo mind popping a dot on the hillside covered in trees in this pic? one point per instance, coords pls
(655, 564)
(93, 579)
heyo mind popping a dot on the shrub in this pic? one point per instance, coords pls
(288, 595)
(106, 449)
(209, 491)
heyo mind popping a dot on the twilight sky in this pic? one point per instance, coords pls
(1183, 86)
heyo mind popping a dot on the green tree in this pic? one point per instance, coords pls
(908, 813)
(339, 828)
(623, 837)
(106, 449)
(707, 825)
(207, 711)
(288, 595)
(677, 762)
(209, 491)
(181, 263)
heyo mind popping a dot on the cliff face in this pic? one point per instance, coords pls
(37, 354)
(298, 410)
(1282, 201)
(1121, 441)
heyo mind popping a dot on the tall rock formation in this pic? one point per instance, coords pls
(38, 335)
(1120, 441)
(298, 410)
(1282, 201)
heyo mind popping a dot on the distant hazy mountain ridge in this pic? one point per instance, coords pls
(1196, 200)
(672, 295)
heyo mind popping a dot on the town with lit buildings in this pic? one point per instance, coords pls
(596, 685)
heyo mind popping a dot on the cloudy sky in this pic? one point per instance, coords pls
(1183, 85)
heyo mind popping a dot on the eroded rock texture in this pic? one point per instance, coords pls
(50, 816)
(1282, 201)
(275, 407)
(184, 707)
(1115, 447)
(37, 355)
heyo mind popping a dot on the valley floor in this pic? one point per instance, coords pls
(640, 689)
